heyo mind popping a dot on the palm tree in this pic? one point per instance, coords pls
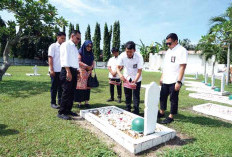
(222, 30)
(209, 49)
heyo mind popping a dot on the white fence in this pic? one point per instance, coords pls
(195, 64)
(18, 61)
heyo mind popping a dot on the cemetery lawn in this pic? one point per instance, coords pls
(29, 126)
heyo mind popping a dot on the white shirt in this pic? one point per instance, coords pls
(131, 65)
(69, 55)
(54, 52)
(112, 63)
(173, 58)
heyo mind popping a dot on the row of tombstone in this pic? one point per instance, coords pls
(212, 84)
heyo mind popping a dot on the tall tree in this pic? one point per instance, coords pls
(96, 42)
(3, 36)
(106, 44)
(222, 30)
(71, 28)
(116, 34)
(34, 18)
(88, 33)
(110, 37)
(78, 29)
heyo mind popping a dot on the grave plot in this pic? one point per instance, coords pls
(211, 97)
(135, 137)
(223, 112)
(196, 84)
(35, 72)
(7, 74)
(116, 123)
(190, 78)
(206, 90)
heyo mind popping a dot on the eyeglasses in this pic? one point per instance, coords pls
(169, 44)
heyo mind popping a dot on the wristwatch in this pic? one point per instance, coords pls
(179, 82)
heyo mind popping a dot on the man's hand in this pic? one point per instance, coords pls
(69, 76)
(114, 73)
(122, 78)
(52, 73)
(161, 82)
(177, 86)
(133, 82)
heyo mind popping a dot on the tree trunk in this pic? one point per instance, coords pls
(228, 65)
(6, 63)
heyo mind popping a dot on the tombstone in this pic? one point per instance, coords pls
(35, 68)
(196, 77)
(152, 95)
(213, 81)
(206, 78)
(223, 82)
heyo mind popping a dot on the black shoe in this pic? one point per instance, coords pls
(72, 114)
(87, 105)
(119, 100)
(167, 120)
(160, 115)
(136, 112)
(63, 116)
(110, 99)
(55, 106)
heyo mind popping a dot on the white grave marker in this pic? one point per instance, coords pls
(152, 95)
(213, 81)
(223, 82)
(35, 68)
(196, 77)
(206, 78)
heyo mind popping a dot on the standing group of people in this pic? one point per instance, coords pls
(70, 69)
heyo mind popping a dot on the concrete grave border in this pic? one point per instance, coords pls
(133, 145)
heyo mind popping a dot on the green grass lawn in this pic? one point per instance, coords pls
(29, 126)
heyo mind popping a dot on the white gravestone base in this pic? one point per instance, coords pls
(121, 133)
(211, 97)
(223, 112)
(209, 91)
(7, 74)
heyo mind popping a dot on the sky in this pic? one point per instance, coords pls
(148, 20)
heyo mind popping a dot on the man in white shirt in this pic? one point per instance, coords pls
(132, 63)
(55, 68)
(70, 64)
(113, 76)
(175, 62)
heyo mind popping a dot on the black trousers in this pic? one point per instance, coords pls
(136, 97)
(68, 90)
(81, 95)
(56, 88)
(119, 89)
(166, 90)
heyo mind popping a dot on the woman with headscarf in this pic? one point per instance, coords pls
(86, 65)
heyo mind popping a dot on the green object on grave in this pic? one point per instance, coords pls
(203, 81)
(138, 125)
(217, 89)
(209, 84)
(230, 97)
